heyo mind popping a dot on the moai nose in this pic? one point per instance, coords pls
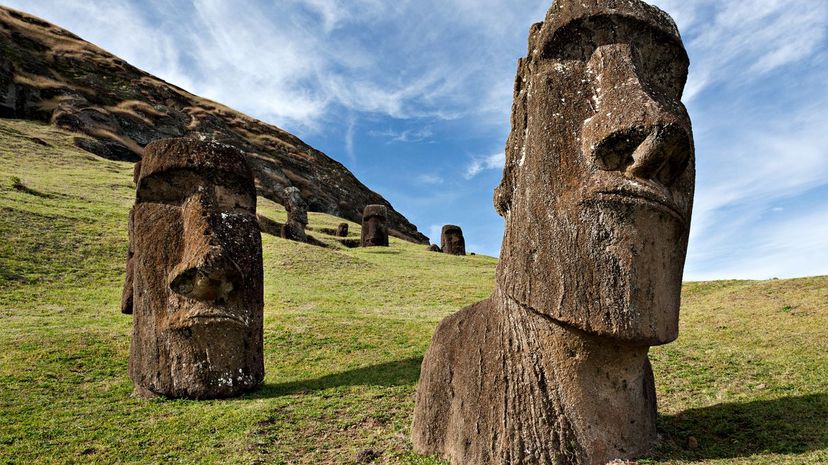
(204, 271)
(632, 131)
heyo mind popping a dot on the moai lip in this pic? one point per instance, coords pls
(374, 228)
(452, 241)
(597, 192)
(196, 281)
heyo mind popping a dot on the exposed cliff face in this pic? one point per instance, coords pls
(51, 75)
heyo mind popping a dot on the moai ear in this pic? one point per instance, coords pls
(136, 172)
(126, 295)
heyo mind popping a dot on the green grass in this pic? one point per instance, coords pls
(345, 330)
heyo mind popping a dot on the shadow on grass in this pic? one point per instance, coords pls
(790, 425)
(397, 373)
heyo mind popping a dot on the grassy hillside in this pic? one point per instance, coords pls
(345, 330)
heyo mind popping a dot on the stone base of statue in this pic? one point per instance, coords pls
(502, 384)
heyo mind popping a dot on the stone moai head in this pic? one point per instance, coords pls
(196, 281)
(296, 206)
(452, 241)
(342, 230)
(598, 185)
(374, 230)
(297, 216)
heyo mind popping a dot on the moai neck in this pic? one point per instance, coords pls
(604, 388)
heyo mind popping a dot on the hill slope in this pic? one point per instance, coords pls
(49, 74)
(345, 330)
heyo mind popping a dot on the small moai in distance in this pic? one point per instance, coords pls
(452, 241)
(374, 229)
(434, 248)
(597, 193)
(195, 288)
(342, 230)
(297, 215)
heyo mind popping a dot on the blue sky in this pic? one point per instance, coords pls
(414, 97)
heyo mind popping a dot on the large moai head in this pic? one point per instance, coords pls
(374, 229)
(197, 292)
(452, 241)
(598, 185)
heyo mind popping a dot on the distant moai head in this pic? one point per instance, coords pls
(434, 248)
(197, 288)
(452, 241)
(598, 185)
(342, 230)
(296, 206)
(374, 230)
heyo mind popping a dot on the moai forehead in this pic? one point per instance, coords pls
(451, 229)
(172, 169)
(375, 211)
(598, 184)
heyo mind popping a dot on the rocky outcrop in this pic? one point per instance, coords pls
(51, 75)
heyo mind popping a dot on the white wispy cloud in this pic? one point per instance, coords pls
(300, 63)
(738, 42)
(404, 136)
(489, 162)
(430, 179)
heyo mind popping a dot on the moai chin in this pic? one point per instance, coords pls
(297, 215)
(597, 193)
(196, 281)
(452, 241)
(374, 229)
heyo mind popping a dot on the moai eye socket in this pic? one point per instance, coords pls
(174, 187)
(169, 187)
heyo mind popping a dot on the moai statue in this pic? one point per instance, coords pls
(195, 288)
(434, 248)
(374, 230)
(342, 230)
(297, 218)
(452, 241)
(597, 193)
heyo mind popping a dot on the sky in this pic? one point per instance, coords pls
(414, 97)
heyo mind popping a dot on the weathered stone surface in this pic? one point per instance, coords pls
(452, 241)
(197, 280)
(434, 248)
(342, 230)
(597, 193)
(48, 74)
(374, 229)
